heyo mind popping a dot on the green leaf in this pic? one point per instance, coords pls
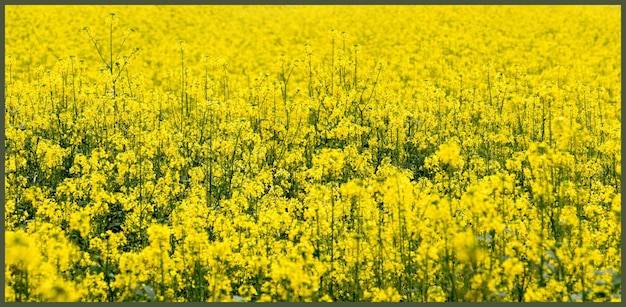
(237, 298)
(601, 282)
(576, 296)
(149, 291)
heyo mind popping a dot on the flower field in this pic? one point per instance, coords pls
(312, 153)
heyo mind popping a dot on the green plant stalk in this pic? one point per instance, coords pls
(332, 242)
(332, 67)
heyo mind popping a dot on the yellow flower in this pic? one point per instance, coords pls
(81, 221)
(57, 290)
(512, 267)
(389, 294)
(22, 252)
(450, 154)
